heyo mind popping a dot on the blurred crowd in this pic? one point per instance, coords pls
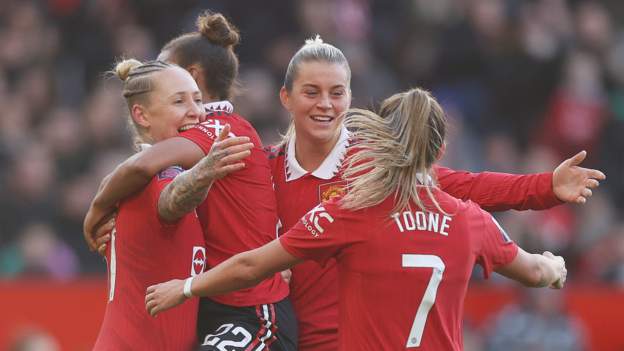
(526, 84)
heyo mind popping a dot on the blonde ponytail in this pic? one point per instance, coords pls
(395, 150)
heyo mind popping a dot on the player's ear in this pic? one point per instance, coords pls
(139, 115)
(285, 98)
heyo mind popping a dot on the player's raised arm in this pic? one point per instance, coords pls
(189, 189)
(240, 271)
(502, 191)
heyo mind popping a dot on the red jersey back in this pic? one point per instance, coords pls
(240, 211)
(144, 251)
(403, 276)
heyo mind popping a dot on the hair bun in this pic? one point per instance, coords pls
(217, 29)
(316, 40)
(122, 69)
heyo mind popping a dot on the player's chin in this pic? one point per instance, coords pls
(324, 133)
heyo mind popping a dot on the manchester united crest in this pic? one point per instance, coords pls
(328, 191)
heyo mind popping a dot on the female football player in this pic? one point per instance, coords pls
(237, 214)
(405, 250)
(307, 167)
(162, 99)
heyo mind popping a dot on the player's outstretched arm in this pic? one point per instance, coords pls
(502, 191)
(533, 270)
(132, 175)
(190, 188)
(240, 271)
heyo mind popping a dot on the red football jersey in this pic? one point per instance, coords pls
(314, 289)
(240, 211)
(144, 251)
(403, 276)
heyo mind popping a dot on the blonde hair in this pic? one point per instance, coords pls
(314, 50)
(395, 150)
(137, 82)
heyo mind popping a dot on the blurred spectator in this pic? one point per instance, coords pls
(577, 110)
(539, 324)
(33, 339)
(38, 252)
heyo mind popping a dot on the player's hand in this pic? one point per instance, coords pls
(560, 269)
(572, 183)
(286, 275)
(95, 225)
(103, 234)
(161, 297)
(225, 156)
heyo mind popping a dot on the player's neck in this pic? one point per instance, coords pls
(310, 153)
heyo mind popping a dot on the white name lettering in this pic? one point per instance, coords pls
(421, 221)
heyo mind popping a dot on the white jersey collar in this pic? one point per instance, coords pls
(224, 106)
(330, 166)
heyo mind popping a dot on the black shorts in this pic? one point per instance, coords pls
(263, 327)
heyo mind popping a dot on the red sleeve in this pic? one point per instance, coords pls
(499, 191)
(495, 247)
(319, 235)
(157, 185)
(201, 135)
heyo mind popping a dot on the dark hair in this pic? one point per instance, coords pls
(212, 47)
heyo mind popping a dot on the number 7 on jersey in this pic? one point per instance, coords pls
(423, 261)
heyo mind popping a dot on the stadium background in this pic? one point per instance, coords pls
(525, 83)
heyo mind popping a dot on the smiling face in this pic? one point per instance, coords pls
(174, 105)
(320, 94)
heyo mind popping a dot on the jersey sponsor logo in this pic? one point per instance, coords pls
(328, 191)
(212, 128)
(199, 260)
(170, 172)
(314, 219)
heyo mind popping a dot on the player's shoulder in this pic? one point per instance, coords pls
(447, 201)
